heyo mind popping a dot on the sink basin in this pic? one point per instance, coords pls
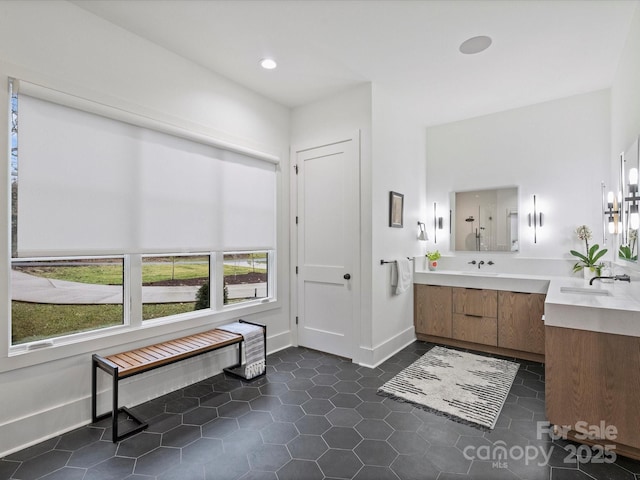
(586, 291)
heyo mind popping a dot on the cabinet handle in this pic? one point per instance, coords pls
(472, 315)
(469, 288)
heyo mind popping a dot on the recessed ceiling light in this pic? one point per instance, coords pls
(268, 63)
(475, 45)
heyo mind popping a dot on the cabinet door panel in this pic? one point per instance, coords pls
(520, 325)
(432, 309)
(475, 329)
(473, 301)
(593, 377)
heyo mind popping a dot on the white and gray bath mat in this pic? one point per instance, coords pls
(462, 386)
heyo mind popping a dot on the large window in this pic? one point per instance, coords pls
(58, 297)
(246, 276)
(174, 284)
(101, 202)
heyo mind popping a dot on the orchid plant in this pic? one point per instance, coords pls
(590, 260)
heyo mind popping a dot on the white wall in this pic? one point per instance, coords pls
(334, 117)
(558, 150)
(64, 47)
(625, 97)
(398, 164)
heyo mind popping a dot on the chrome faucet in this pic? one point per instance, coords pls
(621, 278)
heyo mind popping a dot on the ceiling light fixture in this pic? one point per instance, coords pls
(475, 45)
(268, 63)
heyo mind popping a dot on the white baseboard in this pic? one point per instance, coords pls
(279, 342)
(27, 431)
(372, 357)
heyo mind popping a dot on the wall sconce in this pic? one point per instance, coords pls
(437, 222)
(535, 220)
(634, 217)
(611, 211)
(422, 232)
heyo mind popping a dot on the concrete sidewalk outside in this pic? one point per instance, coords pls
(29, 288)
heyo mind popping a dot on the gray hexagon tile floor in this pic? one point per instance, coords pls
(316, 416)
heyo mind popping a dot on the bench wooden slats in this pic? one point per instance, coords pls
(188, 344)
(211, 336)
(146, 358)
(161, 350)
(139, 356)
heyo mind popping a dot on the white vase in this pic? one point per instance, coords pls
(432, 264)
(589, 273)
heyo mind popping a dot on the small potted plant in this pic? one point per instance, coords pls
(433, 258)
(588, 263)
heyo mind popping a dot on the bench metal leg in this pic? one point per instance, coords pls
(111, 369)
(94, 388)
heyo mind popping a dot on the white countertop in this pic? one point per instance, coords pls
(613, 308)
(618, 312)
(484, 279)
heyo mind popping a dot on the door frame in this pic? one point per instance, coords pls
(356, 283)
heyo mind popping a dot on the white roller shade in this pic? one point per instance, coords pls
(88, 184)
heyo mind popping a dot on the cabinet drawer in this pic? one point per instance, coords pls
(473, 301)
(475, 329)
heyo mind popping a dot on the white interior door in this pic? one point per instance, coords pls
(328, 238)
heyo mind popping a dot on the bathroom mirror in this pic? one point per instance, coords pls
(485, 220)
(629, 166)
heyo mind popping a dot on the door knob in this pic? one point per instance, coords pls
(347, 276)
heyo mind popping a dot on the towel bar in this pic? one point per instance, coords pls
(382, 262)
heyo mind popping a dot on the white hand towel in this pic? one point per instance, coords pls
(403, 276)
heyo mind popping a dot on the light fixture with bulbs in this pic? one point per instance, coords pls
(611, 212)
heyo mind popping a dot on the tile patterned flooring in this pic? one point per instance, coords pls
(316, 416)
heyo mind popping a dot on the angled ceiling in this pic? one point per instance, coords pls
(541, 49)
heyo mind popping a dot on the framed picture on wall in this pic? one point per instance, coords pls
(396, 206)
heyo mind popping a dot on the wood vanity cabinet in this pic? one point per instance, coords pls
(592, 379)
(506, 323)
(475, 314)
(432, 310)
(520, 321)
